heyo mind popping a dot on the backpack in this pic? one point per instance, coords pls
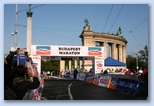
(21, 59)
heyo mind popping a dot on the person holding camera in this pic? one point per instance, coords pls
(24, 80)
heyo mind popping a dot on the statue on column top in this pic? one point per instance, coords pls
(119, 32)
(29, 7)
(86, 22)
(29, 12)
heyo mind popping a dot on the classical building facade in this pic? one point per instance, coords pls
(114, 44)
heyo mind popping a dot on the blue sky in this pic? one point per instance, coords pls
(61, 24)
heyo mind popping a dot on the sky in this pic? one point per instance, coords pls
(61, 24)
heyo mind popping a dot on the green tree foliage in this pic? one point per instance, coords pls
(131, 62)
(142, 57)
(51, 65)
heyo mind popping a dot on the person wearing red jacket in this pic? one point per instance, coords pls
(127, 72)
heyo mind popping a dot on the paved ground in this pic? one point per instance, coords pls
(56, 90)
(59, 90)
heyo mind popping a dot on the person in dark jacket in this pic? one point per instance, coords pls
(9, 94)
(75, 73)
(24, 82)
(9, 58)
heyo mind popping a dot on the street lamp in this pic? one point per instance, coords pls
(15, 28)
(15, 41)
(137, 62)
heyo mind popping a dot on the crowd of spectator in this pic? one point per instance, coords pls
(20, 75)
(142, 74)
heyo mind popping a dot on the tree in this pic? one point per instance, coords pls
(143, 57)
(52, 65)
(131, 62)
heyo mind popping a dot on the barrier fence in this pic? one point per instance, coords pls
(126, 83)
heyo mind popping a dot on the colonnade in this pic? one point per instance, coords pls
(63, 65)
(116, 51)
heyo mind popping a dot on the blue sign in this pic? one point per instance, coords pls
(114, 80)
(94, 49)
(128, 85)
(43, 48)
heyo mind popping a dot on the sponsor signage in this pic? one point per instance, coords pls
(44, 50)
(113, 83)
(89, 79)
(81, 76)
(96, 54)
(94, 51)
(96, 79)
(37, 61)
(69, 50)
(128, 85)
(99, 64)
(104, 80)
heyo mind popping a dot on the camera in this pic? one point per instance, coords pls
(28, 78)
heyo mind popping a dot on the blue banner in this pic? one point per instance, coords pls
(128, 85)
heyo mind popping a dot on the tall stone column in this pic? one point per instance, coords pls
(29, 30)
(81, 63)
(113, 51)
(110, 49)
(75, 64)
(120, 52)
(62, 65)
(116, 52)
(105, 50)
(70, 64)
(124, 53)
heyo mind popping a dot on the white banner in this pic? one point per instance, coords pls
(81, 76)
(37, 61)
(47, 50)
(104, 80)
(96, 54)
(99, 64)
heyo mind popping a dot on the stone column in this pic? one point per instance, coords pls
(110, 49)
(105, 50)
(62, 65)
(116, 52)
(120, 52)
(113, 51)
(70, 64)
(29, 31)
(81, 63)
(117, 49)
(124, 53)
(75, 64)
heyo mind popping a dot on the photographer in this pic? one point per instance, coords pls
(24, 80)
